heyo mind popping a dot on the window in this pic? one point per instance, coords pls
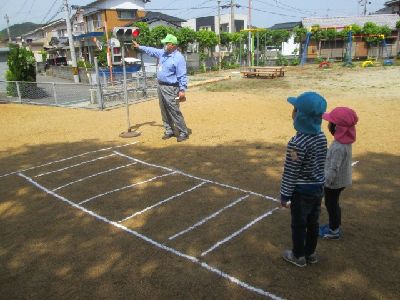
(205, 28)
(127, 14)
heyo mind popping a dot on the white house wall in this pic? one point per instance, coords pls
(115, 4)
(190, 24)
(289, 47)
(225, 19)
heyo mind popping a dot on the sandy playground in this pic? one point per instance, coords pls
(83, 215)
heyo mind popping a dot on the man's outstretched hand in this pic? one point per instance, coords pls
(135, 44)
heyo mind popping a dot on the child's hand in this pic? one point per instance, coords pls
(285, 204)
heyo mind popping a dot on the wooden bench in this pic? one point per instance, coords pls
(270, 72)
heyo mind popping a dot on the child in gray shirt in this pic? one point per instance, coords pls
(338, 168)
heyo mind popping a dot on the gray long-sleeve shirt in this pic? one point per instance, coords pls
(338, 169)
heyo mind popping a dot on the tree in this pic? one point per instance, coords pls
(317, 35)
(279, 36)
(207, 40)
(300, 34)
(21, 67)
(144, 36)
(159, 32)
(185, 37)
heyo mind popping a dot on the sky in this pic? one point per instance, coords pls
(265, 13)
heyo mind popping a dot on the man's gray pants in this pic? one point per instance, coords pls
(170, 113)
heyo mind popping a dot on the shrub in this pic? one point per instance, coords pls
(295, 62)
(282, 61)
(84, 64)
(21, 67)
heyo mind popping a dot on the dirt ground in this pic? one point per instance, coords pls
(49, 249)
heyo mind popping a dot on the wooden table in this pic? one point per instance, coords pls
(269, 72)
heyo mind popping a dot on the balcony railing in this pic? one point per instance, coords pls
(90, 26)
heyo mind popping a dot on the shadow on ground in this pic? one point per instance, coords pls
(51, 250)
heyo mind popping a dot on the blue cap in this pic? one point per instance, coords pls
(310, 106)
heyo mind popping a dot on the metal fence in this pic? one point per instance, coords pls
(106, 95)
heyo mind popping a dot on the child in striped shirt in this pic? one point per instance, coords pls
(303, 177)
(338, 168)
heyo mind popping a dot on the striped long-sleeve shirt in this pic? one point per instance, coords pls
(304, 165)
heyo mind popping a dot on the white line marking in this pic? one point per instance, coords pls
(125, 187)
(94, 175)
(268, 213)
(68, 158)
(73, 166)
(209, 217)
(354, 163)
(161, 202)
(156, 244)
(198, 178)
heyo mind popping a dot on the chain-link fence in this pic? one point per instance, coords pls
(48, 93)
(106, 95)
(139, 88)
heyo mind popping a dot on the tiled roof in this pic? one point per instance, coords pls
(379, 19)
(151, 15)
(287, 25)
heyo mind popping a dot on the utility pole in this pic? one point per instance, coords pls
(71, 43)
(8, 27)
(249, 37)
(233, 16)
(363, 4)
(219, 34)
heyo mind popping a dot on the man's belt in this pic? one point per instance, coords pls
(168, 83)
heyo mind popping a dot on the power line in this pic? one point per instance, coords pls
(49, 11)
(285, 8)
(272, 13)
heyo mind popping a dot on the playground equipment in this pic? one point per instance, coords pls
(367, 63)
(349, 48)
(324, 65)
(304, 56)
(387, 61)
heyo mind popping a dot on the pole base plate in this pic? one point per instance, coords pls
(130, 134)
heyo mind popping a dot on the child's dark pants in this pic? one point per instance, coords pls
(305, 211)
(333, 207)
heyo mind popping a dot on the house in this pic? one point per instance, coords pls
(91, 22)
(290, 47)
(391, 7)
(360, 48)
(211, 23)
(51, 37)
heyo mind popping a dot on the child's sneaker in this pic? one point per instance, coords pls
(323, 229)
(289, 257)
(332, 234)
(312, 259)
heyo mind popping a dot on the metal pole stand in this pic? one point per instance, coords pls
(129, 133)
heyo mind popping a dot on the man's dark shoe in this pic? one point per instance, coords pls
(182, 138)
(167, 136)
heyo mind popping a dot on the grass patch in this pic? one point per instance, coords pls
(253, 84)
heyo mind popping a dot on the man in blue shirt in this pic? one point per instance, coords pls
(172, 83)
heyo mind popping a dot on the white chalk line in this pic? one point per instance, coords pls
(74, 166)
(201, 222)
(126, 187)
(198, 178)
(156, 244)
(236, 233)
(68, 158)
(91, 176)
(162, 202)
